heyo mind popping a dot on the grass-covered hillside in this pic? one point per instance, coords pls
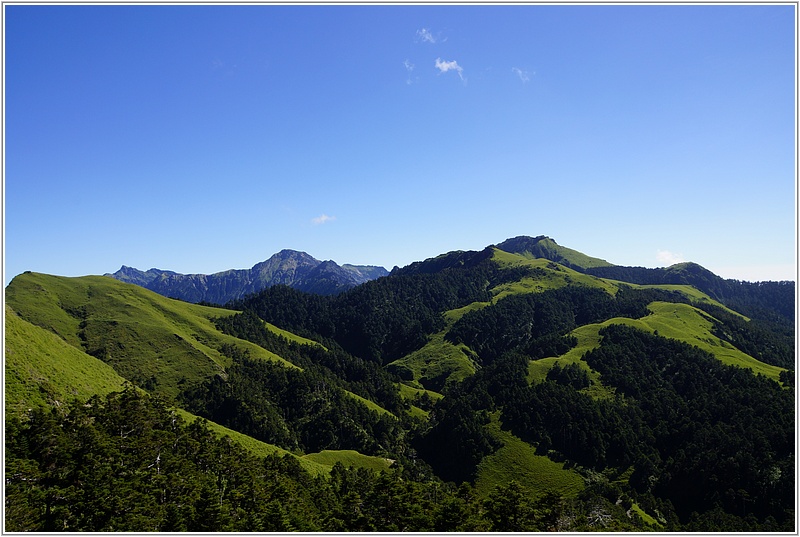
(158, 343)
(41, 369)
(72, 338)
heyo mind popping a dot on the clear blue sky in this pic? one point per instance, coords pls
(203, 138)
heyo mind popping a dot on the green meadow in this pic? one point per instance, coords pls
(256, 447)
(440, 361)
(682, 322)
(517, 460)
(550, 249)
(548, 275)
(158, 343)
(327, 458)
(411, 394)
(41, 369)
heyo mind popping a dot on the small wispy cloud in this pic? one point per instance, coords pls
(523, 75)
(425, 36)
(444, 66)
(665, 257)
(322, 219)
(409, 68)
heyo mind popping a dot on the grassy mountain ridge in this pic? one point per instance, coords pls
(439, 360)
(543, 247)
(766, 300)
(42, 369)
(749, 298)
(155, 342)
(681, 322)
(47, 364)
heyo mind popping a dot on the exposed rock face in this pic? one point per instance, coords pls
(287, 267)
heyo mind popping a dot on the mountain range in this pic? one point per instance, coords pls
(522, 387)
(303, 272)
(288, 267)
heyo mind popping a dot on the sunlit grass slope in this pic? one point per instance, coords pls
(45, 362)
(517, 460)
(682, 322)
(412, 395)
(41, 369)
(692, 293)
(546, 275)
(257, 447)
(439, 361)
(315, 463)
(550, 249)
(327, 458)
(156, 342)
(300, 340)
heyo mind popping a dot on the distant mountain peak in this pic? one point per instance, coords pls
(287, 267)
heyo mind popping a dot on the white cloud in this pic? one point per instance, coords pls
(665, 257)
(523, 75)
(425, 36)
(409, 67)
(321, 219)
(444, 66)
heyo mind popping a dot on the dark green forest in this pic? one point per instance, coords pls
(129, 463)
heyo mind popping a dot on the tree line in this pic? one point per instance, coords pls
(128, 462)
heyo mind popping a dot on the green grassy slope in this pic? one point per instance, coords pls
(327, 458)
(53, 322)
(257, 447)
(677, 321)
(547, 248)
(547, 275)
(300, 340)
(517, 460)
(439, 361)
(432, 366)
(156, 342)
(45, 362)
(414, 395)
(692, 293)
(41, 369)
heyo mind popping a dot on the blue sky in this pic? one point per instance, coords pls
(202, 138)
